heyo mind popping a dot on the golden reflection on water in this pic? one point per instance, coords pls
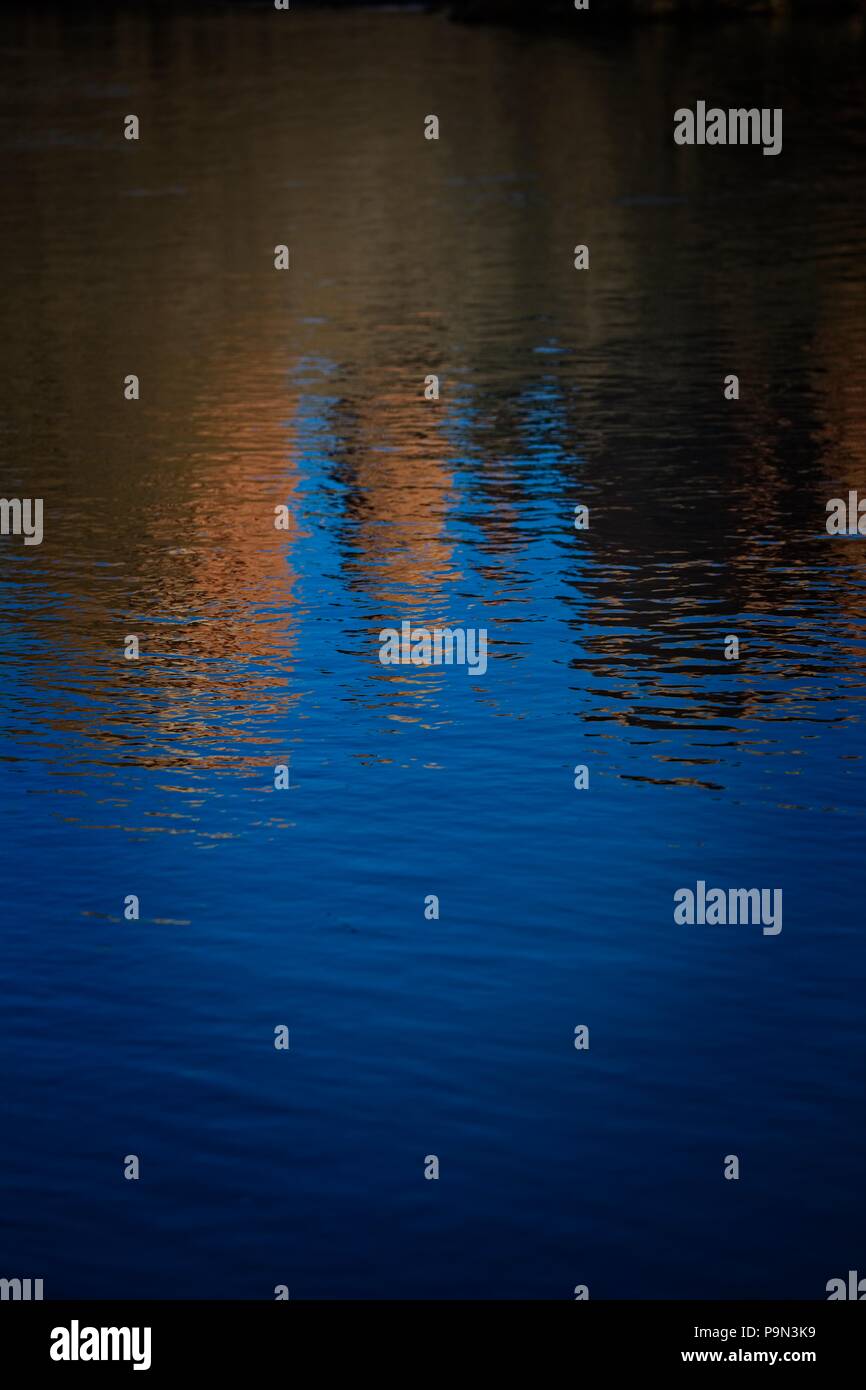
(411, 258)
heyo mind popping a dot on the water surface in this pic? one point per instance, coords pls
(305, 907)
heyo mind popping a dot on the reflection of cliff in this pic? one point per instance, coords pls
(393, 462)
(412, 257)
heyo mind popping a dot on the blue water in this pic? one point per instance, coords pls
(305, 907)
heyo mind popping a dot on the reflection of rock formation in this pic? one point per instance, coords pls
(399, 488)
(412, 257)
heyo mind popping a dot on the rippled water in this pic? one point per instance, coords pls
(305, 907)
